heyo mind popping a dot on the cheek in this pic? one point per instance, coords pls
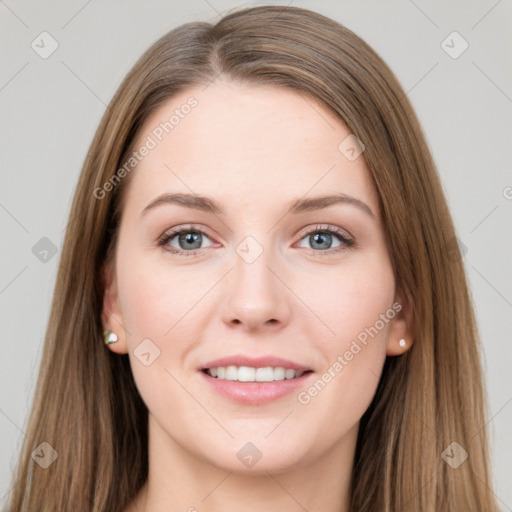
(351, 298)
(154, 297)
(156, 310)
(355, 306)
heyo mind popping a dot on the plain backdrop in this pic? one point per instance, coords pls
(51, 106)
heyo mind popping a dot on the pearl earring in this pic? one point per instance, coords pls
(402, 342)
(110, 337)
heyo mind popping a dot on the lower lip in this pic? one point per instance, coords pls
(255, 393)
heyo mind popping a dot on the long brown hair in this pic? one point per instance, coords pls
(86, 404)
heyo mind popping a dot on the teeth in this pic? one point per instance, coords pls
(248, 374)
(289, 374)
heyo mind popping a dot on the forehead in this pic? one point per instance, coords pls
(249, 143)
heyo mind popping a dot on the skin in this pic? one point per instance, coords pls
(253, 149)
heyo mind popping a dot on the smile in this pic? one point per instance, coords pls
(229, 383)
(250, 374)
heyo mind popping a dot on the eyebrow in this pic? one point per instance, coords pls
(209, 205)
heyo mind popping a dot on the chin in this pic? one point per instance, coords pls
(258, 457)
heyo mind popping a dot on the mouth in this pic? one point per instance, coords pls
(252, 374)
(254, 386)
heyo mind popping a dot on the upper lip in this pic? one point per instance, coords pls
(254, 362)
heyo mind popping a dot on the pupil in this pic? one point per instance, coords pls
(190, 238)
(320, 236)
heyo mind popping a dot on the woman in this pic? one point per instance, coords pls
(246, 364)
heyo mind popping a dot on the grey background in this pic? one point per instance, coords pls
(51, 107)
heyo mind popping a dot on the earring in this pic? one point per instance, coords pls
(110, 337)
(402, 342)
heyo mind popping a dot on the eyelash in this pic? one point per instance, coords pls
(348, 242)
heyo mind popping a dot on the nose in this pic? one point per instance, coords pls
(256, 297)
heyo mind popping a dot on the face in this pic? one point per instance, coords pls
(267, 274)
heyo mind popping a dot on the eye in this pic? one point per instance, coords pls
(188, 239)
(322, 238)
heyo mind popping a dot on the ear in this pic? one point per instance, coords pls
(111, 316)
(401, 326)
